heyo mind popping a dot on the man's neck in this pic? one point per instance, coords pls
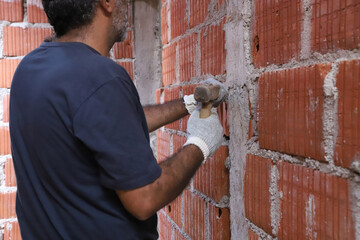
(90, 37)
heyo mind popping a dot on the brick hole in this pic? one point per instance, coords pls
(256, 43)
(169, 208)
(219, 212)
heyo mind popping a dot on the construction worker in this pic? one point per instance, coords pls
(80, 138)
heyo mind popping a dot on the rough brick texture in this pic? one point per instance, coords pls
(291, 109)
(348, 142)
(314, 205)
(10, 178)
(219, 219)
(164, 227)
(164, 24)
(174, 210)
(187, 48)
(12, 231)
(169, 95)
(36, 12)
(178, 18)
(213, 52)
(4, 141)
(335, 25)
(194, 215)
(163, 143)
(199, 10)
(257, 195)
(7, 70)
(253, 235)
(168, 65)
(19, 41)
(125, 49)
(7, 205)
(11, 10)
(276, 31)
(212, 179)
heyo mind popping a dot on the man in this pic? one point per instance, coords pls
(80, 139)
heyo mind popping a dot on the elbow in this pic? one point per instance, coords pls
(141, 213)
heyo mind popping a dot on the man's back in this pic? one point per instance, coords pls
(76, 122)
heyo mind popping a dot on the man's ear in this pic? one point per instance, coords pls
(107, 5)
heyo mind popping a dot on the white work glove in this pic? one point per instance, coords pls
(207, 133)
(223, 92)
(190, 103)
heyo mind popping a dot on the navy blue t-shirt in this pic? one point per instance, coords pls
(78, 133)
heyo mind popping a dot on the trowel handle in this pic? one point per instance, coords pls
(206, 94)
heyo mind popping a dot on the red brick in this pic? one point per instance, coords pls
(7, 70)
(7, 205)
(335, 25)
(187, 49)
(276, 31)
(10, 178)
(199, 10)
(158, 95)
(12, 231)
(164, 227)
(314, 205)
(169, 95)
(213, 52)
(212, 178)
(163, 146)
(174, 211)
(253, 235)
(348, 141)
(219, 220)
(124, 49)
(11, 10)
(4, 141)
(178, 18)
(187, 90)
(19, 41)
(291, 109)
(178, 235)
(223, 116)
(6, 101)
(256, 194)
(178, 143)
(194, 215)
(128, 67)
(164, 24)
(168, 65)
(36, 12)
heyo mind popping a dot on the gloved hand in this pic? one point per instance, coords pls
(206, 133)
(223, 92)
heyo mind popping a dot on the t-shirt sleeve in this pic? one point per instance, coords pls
(110, 124)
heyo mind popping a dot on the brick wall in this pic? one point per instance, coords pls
(302, 170)
(292, 69)
(22, 28)
(193, 38)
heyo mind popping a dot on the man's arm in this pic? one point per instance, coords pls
(162, 114)
(177, 171)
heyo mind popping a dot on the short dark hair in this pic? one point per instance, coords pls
(66, 15)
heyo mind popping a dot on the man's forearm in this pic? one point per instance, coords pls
(162, 114)
(176, 174)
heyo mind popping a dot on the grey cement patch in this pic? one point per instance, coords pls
(275, 213)
(330, 124)
(147, 66)
(306, 31)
